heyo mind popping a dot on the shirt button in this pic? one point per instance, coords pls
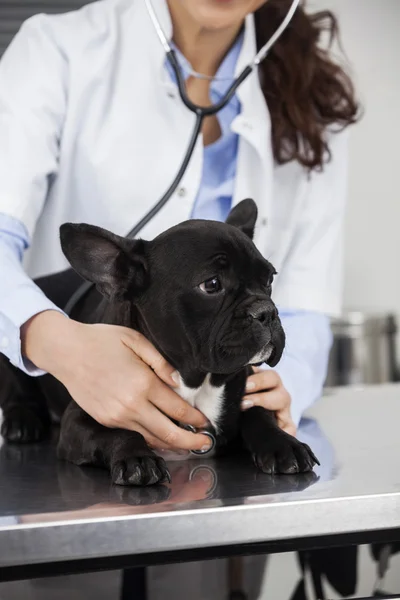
(171, 94)
(182, 192)
(264, 222)
(4, 343)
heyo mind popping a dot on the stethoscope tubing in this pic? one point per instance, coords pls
(85, 287)
(201, 113)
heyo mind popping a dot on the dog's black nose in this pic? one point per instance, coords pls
(265, 312)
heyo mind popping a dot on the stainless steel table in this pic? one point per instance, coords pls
(57, 518)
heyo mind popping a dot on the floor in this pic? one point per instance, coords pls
(101, 586)
(281, 577)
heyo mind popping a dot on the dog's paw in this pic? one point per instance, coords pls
(153, 494)
(145, 470)
(290, 483)
(22, 425)
(284, 454)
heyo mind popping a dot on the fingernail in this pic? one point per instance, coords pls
(202, 476)
(247, 404)
(205, 448)
(250, 385)
(175, 377)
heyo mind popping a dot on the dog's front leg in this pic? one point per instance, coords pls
(125, 454)
(272, 449)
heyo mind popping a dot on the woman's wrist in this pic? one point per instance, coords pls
(46, 338)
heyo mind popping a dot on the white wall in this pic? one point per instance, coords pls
(371, 38)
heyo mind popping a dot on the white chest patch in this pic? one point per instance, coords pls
(207, 399)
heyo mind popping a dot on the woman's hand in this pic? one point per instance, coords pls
(266, 389)
(116, 375)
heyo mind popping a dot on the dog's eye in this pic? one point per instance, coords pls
(211, 286)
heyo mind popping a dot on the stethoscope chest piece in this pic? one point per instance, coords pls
(206, 432)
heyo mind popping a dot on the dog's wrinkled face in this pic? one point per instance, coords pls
(202, 289)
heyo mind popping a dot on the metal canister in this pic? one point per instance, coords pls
(364, 349)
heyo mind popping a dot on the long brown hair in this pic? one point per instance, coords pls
(306, 91)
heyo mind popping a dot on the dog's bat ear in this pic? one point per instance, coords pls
(115, 264)
(244, 217)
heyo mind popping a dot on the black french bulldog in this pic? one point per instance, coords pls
(201, 293)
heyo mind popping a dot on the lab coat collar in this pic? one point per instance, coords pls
(249, 47)
(164, 17)
(154, 48)
(250, 95)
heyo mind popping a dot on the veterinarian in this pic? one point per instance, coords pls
(92, 129)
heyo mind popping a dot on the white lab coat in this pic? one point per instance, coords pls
(94, 130)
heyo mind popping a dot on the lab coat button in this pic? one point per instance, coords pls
(171, 94)
(182, 192)
(264, 222)
(4, 342)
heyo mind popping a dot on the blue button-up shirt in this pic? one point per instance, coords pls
(214, 198)
(303, 365)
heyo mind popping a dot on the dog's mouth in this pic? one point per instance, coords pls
(232, 354)
(265, 355)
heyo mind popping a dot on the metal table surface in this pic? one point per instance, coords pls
(55, 513)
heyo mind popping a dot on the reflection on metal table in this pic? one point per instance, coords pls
(55, 516)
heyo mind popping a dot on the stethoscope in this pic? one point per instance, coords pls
(201, 113)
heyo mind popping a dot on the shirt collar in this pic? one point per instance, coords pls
(225, 74)
(249, 93)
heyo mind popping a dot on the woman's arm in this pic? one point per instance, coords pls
(309, 290)
(304, 363)
(20, 298)
(297, 381)
(61, 347)
(85, 358)
(33, 105)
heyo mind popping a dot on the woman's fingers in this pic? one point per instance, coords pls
(175, 407)
(164, 398)
(152, 441)
(262, 380)
(277, 400)
(266, 390)
(171, 435)
(150, 355)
